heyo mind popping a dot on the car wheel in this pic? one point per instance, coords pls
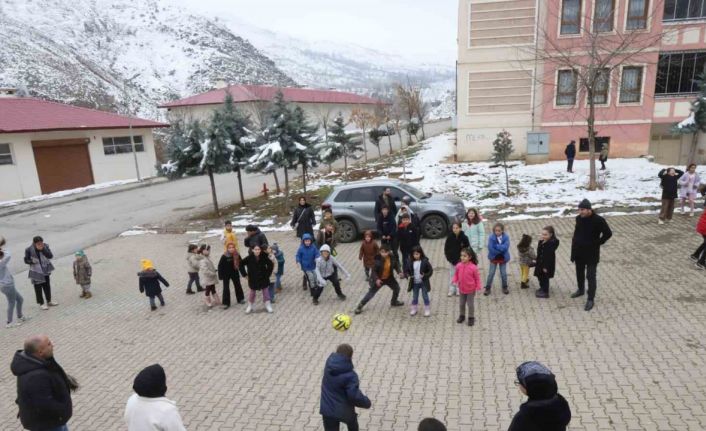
(347, 231)
(434, 227)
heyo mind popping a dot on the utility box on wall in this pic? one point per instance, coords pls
(537, 148)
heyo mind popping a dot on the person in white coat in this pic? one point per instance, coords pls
(148, 409)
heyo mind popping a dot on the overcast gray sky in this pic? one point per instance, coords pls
(425, 29)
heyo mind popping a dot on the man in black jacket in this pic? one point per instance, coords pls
(570, 152)
(254, 236)
(590, 233)
(42, 387)
(385, 199)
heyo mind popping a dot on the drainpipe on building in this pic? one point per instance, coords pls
(534, 72)
(134, 151)
(456, 116)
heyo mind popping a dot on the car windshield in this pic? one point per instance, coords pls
(413, 191)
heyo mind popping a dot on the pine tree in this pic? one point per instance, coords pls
(696, 121)
(305, 140)
(190, 159)
(374, 135)
(237, 128)
(348, 146)
(279, 128)
(216, 150)
(176, 143)
(502, 148)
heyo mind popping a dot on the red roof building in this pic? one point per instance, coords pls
(48, 147)
(261, 93)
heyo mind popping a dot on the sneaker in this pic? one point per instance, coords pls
(471, 321)
(413, 310)
(659, 221)
(486, 292)
(53, 304)
(23, 318)
(242, 301)
(358, 309)
(13, 325)
(700, 266)
(427, 311)
(89, 295)
(342, 297)
(315, 301)
(694, 257)
(268, 307)
(190, 292)
(44, 307)
(506, 290)
(460, 319)
(210, 306)
(396, 304)
(248, 310)
(82, 295)
(451, 293)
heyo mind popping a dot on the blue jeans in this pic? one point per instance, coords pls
(271, 289)
(278, 282)
(416, 287)
(152, 302)
(491, 274)
(14, 299)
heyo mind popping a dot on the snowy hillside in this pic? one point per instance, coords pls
(108, 53)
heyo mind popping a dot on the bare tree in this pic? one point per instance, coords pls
(413, 105)
(362, 119)
(590, 61)
(324, 114)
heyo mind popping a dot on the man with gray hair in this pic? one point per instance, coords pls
(43, 388)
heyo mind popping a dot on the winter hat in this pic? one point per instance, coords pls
(151, 382)
(307, 236)
(80, 253)
(275, 248)
(146, 264)
(325, 248)
(537, 379)
(251, 228)
(585, 204)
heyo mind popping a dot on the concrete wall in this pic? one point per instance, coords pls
(20, 180)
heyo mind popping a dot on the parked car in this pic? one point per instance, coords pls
(386, 130)
(353, 207)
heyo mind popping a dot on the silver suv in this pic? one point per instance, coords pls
(353, 206)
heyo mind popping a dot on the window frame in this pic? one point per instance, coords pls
(668, 57)
(358, 189)
(611, 20)
(607, 91)
(577, 22)
(598, 140)
(139, 146)
(9, 153)
(673, 19)
(641, 85)
(645, 17)
(558, 92)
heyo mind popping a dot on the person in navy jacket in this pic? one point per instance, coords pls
(498, 256)
(340, 391)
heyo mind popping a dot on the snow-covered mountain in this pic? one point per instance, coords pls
(111, 53)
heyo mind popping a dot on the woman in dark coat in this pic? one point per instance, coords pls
(546, 261)
(545, 409)
(257, 268)
(303, 218)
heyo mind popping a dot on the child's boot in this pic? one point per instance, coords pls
(524, 285)
(471, 321)
(427, 311)
(460, 319)
(413, 310)
(83, 294)
(248, 310)
(268, 307)
(88, 295)
(189, 291)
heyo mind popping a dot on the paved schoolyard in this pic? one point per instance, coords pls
(634, 363)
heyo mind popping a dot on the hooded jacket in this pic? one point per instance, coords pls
(149, 282)
(148, 409)
(193, 260)
(326, 268)
(570, 151)
(453, 246)
(82, 271)
(207, 272)
(497, 248)
(340, 391)
(42, 392)
(257, 269)
(545, 410)
(306, 255)
(546, 258)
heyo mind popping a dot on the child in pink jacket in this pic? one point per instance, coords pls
(467, 278)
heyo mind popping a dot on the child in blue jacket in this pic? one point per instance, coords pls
(340, 391)
(498, 256)
(306, 259)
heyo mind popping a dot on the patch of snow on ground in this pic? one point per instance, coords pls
(66, 192)
(136, 232)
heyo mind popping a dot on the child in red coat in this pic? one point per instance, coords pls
(700, 254)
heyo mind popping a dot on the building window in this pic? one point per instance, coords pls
(600, 89)
(603, 16)
(599, 142)
(637, 15)
(5, 154)
(677, 72)
(631, 85)
(566, 88)
(675, 10)
(570, 17)
(122, 145)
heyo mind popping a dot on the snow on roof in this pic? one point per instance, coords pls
(27, 114)
(261, 93)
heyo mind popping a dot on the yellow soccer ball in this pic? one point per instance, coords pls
(341, 322)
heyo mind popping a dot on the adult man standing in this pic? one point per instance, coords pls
(38, 256)
(590, 233)
(385, 199)
(570, 152)
(340, 391)
(254, 237)
(42, 386)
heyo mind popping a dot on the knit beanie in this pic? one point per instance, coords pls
(585, 204)
(151, 382)
(146, 264)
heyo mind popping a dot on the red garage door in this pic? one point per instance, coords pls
(62, 164)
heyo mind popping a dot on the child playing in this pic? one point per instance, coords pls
(467, 278)
(527, 259)
(271, 286)
(209, 276)
(419, 270)
(228, 236)
(546, 260)
(382, 274)
(329, 220)
(82, 274)
(279, 256)
(257, 268)
(228, 271)
(327, 270)
(327, 236)
(408, 238)
(149, 283)
(368, 250)
(306, 259)
(193, 261)
(498, 256)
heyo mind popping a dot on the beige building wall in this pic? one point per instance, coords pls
(315, 112)
(20, 180)
(496, 69)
